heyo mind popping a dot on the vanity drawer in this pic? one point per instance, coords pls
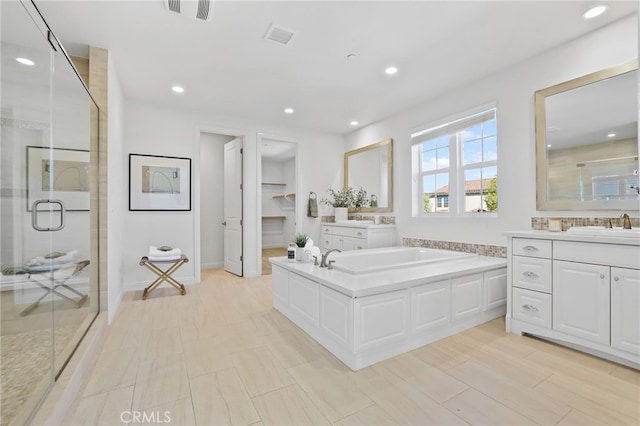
(326, 230)
(624, 256)
(532, 273)
(344, 231)
(532, 307)
(531, 247)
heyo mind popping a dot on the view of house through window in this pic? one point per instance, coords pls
(455, 166)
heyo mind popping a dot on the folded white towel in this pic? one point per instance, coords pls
(154, 252)
(68, 257)
(163, 258)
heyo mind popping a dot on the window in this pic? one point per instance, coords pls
(455, 166)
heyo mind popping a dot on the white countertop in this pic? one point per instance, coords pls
(358, 224)
(568, 236)
(361, 285)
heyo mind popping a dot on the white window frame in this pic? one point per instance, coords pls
(456, 170)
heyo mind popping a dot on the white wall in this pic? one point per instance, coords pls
(211, 193)
(117, 178)
(151, 129)
(513, 90)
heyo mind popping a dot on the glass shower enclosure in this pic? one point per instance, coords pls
(48, 210)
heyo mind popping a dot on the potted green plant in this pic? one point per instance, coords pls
(300, 240)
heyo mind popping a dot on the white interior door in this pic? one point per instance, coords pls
(233, 206)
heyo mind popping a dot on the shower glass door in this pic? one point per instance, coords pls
(48, 295)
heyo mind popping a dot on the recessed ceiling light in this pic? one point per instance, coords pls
(549, 146)
(391, 70)
(611, 135)
(354, 123)
(288, 110)
(25, 61)
(178, 89)
(595, 11)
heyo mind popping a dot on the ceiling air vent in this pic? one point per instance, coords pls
(279, 35)
(199, 10)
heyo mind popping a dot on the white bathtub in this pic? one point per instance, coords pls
(357, 262)
(363, 318)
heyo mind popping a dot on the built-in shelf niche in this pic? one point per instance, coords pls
(278, 207)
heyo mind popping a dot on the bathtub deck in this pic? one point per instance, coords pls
(361, 285)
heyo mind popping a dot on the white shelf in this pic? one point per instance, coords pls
(285, 196)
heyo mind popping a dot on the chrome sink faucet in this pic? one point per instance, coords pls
(626, 222)
(323, 262)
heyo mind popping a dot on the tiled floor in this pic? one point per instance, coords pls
(222, 355)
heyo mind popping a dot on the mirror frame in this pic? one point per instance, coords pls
(389, 144)
(542, 203)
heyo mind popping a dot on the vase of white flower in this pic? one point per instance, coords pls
(345, 199)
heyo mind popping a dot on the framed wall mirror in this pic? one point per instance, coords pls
(370, 168)
(587, 142)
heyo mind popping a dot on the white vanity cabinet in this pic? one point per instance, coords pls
(581, 298)
(531, 277)
(583, 291)
(356, 236)
(625, 309)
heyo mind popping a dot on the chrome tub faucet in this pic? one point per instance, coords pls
(626, 222)
(323, 262)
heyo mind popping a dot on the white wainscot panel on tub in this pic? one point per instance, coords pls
(466, 296)
(303, 298)
(336, 315)
(280, 287)
(430, 305)
(381, 319)
(495, 288)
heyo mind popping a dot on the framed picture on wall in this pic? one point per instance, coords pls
(58, 174)
(159, 183)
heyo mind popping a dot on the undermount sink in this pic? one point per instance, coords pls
(601, 230)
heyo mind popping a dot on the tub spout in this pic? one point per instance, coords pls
(323, 262)
(626, 222)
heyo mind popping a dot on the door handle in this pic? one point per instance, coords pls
(34, 215)
(224, 223)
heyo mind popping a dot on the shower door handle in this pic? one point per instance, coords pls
(34, 215)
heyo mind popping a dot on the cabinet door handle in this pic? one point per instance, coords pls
(616, 278)
(359, 234)
(530, 308)
(601, 276)
(529, 248)
(530, 274)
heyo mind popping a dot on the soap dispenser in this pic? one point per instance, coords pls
(291, 252)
